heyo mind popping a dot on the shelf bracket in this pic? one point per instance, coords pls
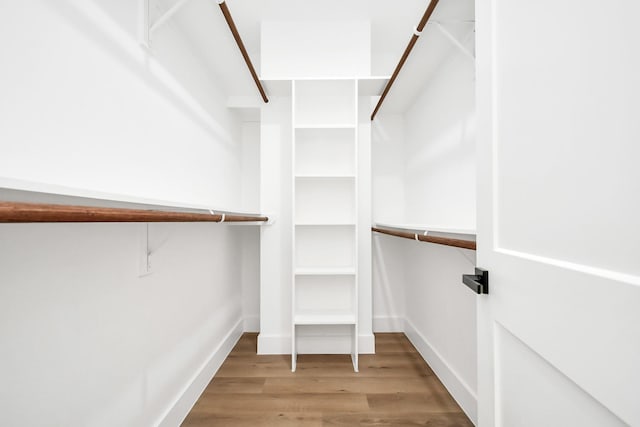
(167, 15)
(455, 41)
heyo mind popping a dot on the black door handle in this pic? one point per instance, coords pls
(479, 282)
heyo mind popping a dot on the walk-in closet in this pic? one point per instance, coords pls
(319, 213)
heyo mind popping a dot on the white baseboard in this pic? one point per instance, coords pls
(457, 387)
(274, 344)
(388, 324)
(367, 344)
(325, 344)
(179, 409)
(252, 323)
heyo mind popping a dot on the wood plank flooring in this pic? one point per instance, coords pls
(395, 387)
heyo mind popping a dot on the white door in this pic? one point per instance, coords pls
(559, 212)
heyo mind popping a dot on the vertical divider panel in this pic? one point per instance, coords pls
(294, 350)
(356, 182)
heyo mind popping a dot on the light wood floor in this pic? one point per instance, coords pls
(395, 387)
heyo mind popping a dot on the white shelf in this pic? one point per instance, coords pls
(326, 126)
(430, 228)
(327, 318)
(345, 271)
(325, 176)
(41, 192)
(323, 224)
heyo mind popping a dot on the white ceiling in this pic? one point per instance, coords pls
(392, 24)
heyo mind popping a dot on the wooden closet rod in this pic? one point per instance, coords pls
(405, 55)
(38, 212)
(245, 55)
(458, 243)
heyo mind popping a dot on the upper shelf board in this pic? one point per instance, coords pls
(421, 228)
(367, 86)
(16, 190)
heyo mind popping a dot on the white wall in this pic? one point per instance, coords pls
(388, 205)
(440, 169)
(85, 109)
(424, 173)
(84, 106)
(276, 239)
(85, 341)
(388, 283)
(388, 168)
(440, 315)
(250, 189)
(296, 49)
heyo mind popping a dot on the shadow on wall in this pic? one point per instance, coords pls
(388, 284)
(91, 341)
(452, 140)
(91, 20)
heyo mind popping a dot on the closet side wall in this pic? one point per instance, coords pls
(86, 341)
(85, 106)
(424, 174)
(83, 339)
(440, 168)
(440, 180)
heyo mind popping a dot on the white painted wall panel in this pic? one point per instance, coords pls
(303, 49)
(440, 148)
(388, 168)
(91, 342)
(276, 239)
(424, 173)
(84, 106)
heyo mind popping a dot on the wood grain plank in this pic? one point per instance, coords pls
(242, 419)
(367, 385)
(395, 419)
(236, 385)
(283, 402)
(434, 401)
(395, 387)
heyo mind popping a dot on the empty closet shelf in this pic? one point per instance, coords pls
(325, 271)
(320, 318)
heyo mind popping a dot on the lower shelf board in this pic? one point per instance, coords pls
(324, 319)
(328, 271)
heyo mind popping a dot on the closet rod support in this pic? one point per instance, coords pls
(455, 41)
(167, 15)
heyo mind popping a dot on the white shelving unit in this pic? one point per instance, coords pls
(325, 208)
